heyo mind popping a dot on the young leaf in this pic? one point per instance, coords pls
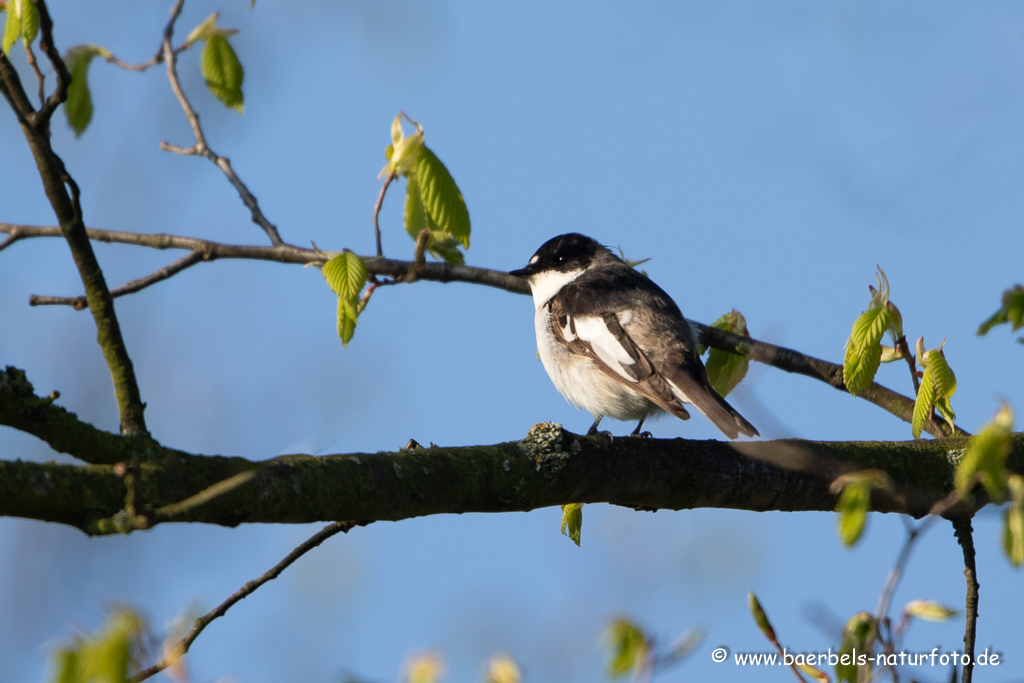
(761, 619)
(858, 636)
(923, 404)
(204, 30)
(945, 380)
(416, 218)
(346, 275)
(1013, 522)
(572, 520)
(12, 24)
(424, 668)
(628, 646)
(726, 370)
(814, 673)
(441, 197)
(986, 456)
(864, 349)
(503, 669)
(78, 106)
(404, 152)
(853, 505)
(29, 21)
(447, 250)
(1011, 312)
(222, 71)
(929, 610)
(347, 321)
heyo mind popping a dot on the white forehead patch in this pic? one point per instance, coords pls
(533, 260)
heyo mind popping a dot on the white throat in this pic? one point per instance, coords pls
(545, 285)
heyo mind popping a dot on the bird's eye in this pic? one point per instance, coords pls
(561, 259)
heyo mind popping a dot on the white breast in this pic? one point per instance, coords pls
(581, 381)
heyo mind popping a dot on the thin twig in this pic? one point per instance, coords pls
(896, 572)
(376, 213)
(779, 357)
(208, 494)
(60, 93)
(31, 55)
(965, 537)
(79, 302)
(201, 148)
(246, 590)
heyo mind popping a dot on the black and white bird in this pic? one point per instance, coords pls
(613, 342)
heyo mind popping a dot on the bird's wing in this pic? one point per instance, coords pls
(601, 338)
(594, 317)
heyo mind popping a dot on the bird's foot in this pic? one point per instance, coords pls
(642, 435)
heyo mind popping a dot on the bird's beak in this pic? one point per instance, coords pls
(524, 272)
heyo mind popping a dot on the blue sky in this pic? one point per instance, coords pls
(766, 155)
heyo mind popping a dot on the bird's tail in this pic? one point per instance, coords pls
(721, 413)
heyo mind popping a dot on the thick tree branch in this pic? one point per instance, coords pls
(549, 467)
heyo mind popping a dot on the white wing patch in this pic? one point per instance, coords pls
(605, 345)
(679, 393)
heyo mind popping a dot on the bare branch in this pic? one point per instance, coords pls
(60, 93)
(63, 195)
(376, 212)
(80, 302)
(40, 78)
(243, 592)
(762, 352)
(965, 536)
(201, 148)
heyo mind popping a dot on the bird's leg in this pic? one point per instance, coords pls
(593, 430)
(637, 432)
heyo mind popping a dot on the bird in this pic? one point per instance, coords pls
(614, 343)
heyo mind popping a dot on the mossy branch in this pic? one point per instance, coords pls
(549, 467)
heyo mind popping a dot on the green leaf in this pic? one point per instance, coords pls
(416, 218)
(103, 656)
(864, 349)
(447, 250)
(78, 106)
(858, 636)
(628, 647)
(761, 618)
(404, 152)
(29, 21)
(1012, 311)
(1013, 522)
(347, 321)
(853, 505)
(942, 375)
(572, 520)
(441, 197)
(923, 404)
(986, 457)
(440, 245)
(204, 30)
(12, 25)
(929, 610)
(346, 274)
(815, 673)
(222, 71)
(726, 370)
